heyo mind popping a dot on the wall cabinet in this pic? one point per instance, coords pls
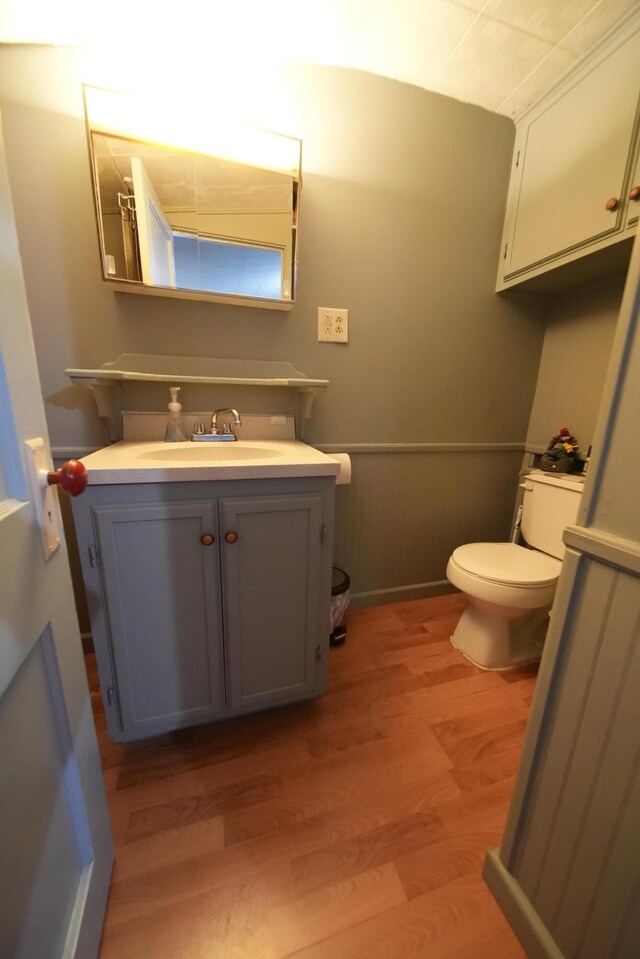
(575, 165)
(207, 599)
(633, 194)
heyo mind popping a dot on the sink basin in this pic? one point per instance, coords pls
(152, 461)
(209, 453)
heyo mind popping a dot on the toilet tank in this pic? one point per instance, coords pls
(550, 504)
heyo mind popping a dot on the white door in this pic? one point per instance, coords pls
(567, 874)
(56, 850)
(154, 230)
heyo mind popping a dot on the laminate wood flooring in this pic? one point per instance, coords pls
(351, 827)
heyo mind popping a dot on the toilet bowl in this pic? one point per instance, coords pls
(510, 591)
(510, 588)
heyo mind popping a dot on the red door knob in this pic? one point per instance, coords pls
(72, 477)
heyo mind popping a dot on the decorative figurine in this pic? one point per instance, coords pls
(562, 455)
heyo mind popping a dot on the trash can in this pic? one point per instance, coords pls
(340, 596)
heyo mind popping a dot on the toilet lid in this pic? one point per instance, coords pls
(508, 563)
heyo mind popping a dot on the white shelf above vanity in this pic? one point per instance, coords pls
(142, 367)
(197, 369)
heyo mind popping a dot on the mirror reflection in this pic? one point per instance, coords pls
(174, 219)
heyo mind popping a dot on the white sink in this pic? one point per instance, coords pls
(131, 461)
(209, 453)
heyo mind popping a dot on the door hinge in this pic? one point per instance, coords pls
(94, 558)
(517, 159)
(323, 533)
(111, 695)
(506, 247)
(319, 654)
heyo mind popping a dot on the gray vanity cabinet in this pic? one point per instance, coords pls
(271, 574)
(206, 606)
(271, 601)
(162, 605)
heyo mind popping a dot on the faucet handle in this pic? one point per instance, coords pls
(198, 429)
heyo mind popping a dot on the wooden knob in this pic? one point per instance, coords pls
(72, 477)
(231, 537)
(612, 203)
(206, 539)
(634, 193)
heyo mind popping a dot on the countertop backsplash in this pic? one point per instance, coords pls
(143, 426)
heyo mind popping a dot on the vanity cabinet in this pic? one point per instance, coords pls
(208, 599)
(156, 614)
(271, 557)
(575, 166)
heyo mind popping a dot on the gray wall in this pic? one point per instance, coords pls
(580, 325)
(402, 209)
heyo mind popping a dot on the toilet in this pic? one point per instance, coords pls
(510, 588)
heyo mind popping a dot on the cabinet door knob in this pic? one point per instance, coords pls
(206, 539)
(231, 537)
(612, 203)
(634, 193)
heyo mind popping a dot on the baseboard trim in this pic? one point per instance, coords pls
(536, 939)
(399, 594)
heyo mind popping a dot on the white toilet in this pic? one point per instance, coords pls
(510, 588)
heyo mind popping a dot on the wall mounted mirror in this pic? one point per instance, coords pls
(183, 214)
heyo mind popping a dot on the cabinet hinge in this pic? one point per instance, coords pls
(323, 533)
(94, 558)
(506, 247)
(111, 695)
(517, 159)
(319, 654)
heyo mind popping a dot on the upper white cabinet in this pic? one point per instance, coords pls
(575, 165)
(633, 194)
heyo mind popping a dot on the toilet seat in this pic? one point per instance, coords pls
(505, 574)
(507, 564)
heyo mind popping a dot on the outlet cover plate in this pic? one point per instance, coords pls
(333, 325)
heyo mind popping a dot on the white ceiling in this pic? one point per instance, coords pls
(500, 54)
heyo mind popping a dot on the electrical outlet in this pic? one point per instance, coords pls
(333, 325)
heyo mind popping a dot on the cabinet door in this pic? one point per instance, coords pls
(575, 159)
(161, 587)
(633, 194)
(275, 629)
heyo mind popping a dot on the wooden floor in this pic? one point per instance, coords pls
(352, 827)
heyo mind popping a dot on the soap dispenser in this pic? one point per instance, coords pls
(174, 432)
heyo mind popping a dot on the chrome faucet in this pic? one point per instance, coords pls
(227, 427)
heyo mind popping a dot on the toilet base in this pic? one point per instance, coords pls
(495, 638)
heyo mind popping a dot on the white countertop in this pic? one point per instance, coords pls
(160, 462)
